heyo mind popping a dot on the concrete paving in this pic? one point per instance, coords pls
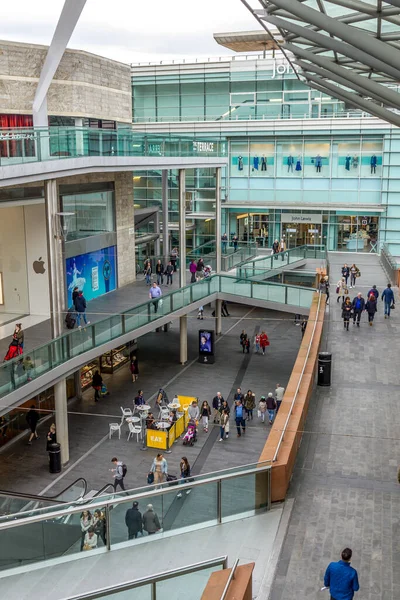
(25, 468)
(345, 481)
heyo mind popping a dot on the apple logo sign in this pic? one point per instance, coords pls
(38, 266)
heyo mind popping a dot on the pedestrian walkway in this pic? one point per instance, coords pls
(114, 302)
(90, 449)
(345, 481)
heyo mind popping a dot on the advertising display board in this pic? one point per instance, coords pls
(94, 273)
(206, 346)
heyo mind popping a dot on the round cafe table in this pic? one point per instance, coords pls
(162, 425)
(132, 419)
(174, 405)
(144, 407)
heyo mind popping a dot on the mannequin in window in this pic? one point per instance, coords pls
(354, 162)
(240, 163)
(347, 163)
(298, 164)
(373, 163)
(256, 162)
(263, 163)
(318, 163)
(290, 163)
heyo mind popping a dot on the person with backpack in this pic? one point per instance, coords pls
(388, 299)
(264, 342)
(374, 292)
(80, 307)
(239, 418)
(119, 471)
(271, 407)
(133, 521)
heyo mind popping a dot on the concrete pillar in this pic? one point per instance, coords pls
(165, 215)
(125, 226)
(182, 227)
(218, 317)
(157, 248)
(218, 230)
(183, 339)
(55, 257)
(60, 398)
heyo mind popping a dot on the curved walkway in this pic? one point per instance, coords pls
(345, 481)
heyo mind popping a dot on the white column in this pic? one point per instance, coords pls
(79, 137)
(218, 317)
(60, 397)
(157, 248)
(182, 227)
(183, 339)
(165, 225)
(55, 258)
(218, 230)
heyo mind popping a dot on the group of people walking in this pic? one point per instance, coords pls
(260, 342)
(352, 309)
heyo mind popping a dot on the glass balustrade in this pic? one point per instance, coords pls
(262, 267)
(58, 143)
(72, 344)
(204, 501)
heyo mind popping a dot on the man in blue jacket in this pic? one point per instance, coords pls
(388, 298)
(80, 307)
(358, 306)
(341, 578)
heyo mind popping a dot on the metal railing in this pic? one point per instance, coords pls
(261, 267)
(284, 429)
(152, 580)
(227, 495)
(389, 264)
(230, 579)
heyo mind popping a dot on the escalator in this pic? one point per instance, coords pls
(12, 503)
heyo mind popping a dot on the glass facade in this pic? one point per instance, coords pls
(93, 213)
(235, 90)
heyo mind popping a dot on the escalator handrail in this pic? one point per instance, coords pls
(103, 489)
(26, 496)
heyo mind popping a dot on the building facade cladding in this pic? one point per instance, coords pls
(343, 171)
(84, 86)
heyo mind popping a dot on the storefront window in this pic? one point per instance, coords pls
(262, 159)
(93, 214)
(289, 159)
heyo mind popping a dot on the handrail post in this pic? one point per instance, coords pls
(153, 590)
(108, 527)
(219, 501)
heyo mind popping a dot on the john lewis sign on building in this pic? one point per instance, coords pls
(293, 218)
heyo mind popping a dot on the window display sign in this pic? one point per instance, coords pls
(93, 273)
(293, 218)
(206, 346)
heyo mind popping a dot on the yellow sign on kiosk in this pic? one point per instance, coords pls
(164, 439)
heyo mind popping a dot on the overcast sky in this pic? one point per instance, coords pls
(132, 30)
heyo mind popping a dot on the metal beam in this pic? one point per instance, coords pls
(66, 24)
(332, 44)
(366, 105)
(376, 90)
(364, 42)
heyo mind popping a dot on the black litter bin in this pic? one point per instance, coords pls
(55, 458)
(324, 368)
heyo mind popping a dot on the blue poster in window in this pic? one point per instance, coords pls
(93, 273)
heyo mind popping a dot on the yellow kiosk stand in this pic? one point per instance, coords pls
(164, 439)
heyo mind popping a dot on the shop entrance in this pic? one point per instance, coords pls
(300, 234)
(358, 233)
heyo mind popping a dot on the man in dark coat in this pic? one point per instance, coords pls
(133, 521)
(32, 418)
(358, 307)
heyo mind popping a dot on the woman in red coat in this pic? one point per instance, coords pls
(264, 341)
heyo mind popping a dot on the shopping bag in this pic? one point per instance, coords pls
(150, 478)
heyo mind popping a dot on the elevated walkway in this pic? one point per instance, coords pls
(64, 355)
(49, 153)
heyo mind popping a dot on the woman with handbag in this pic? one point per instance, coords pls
(185, 474)
(159, 468)
(97, 383)
(341, 289)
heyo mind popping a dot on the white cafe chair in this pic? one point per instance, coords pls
(134, 429)
(114, 427)
(126, 412)
(164, 413)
